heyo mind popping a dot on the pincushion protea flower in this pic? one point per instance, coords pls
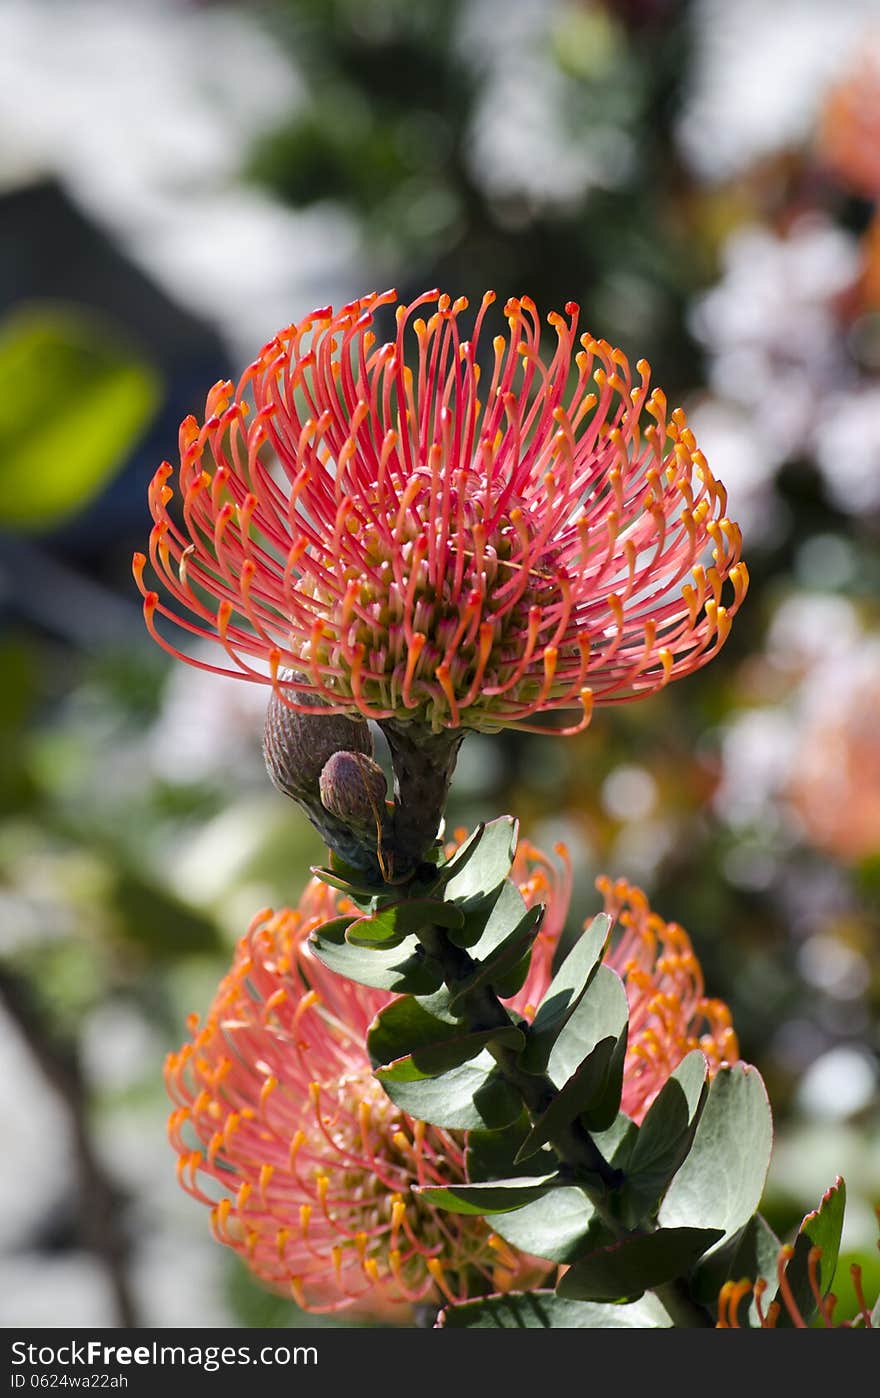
(435, 543)
(313, 1160)
(282, 1130)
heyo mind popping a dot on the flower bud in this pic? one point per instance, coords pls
(353, 788)
(297, 746)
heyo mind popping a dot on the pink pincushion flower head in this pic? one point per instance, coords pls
(467, 539)
(308, 1167)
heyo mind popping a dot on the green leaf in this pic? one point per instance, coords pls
(497, 1197)
(721, 1182)
(564, 993)
(491, 1155)
(487, 927)
(602, 1012)
(822, 1229)
(357, 890)
(486, 867)
(555, 1227)
(563, 1225)
(389, 925)
(625, 1270)
(456, 862)
(544, 1310)
(404, 969)
(665, 1137)
(751, 1253)
(74, 400)
(499, 960)
(582, 1091)
(408, 1030)
(467, 1098)
(489, 921)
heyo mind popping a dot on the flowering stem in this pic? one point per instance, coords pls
(483, 1010)
(423, 765)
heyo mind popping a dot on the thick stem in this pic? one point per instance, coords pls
(483, 1010)
(423, 763)
(684, 1312)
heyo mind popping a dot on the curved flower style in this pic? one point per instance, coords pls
(732, 1295)
(669, 1014)
(438, 544)
(307, 1165)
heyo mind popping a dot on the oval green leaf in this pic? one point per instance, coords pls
(564, 993)
(721, 1182)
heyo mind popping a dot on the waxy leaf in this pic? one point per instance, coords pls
(564, 993)
(457, 861)
(358, 889)
(544, 1310)
(499, 960)
(408, 1030)
(486, 867)
(556, 1227)
(490, 1155)
(721, 1182)
(821, 1229)
(495, 1197)
(752, 1253)
(487, 924)
(582, 1091)
(626, 1269)
(665, 1137)
(602, 1012)
(388, 926)
(563, 1225)
(405, 968)
(467, 1098)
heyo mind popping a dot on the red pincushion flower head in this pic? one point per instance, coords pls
(460, 547)
(312, 1173)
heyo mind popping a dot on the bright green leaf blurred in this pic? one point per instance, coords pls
(74, 399)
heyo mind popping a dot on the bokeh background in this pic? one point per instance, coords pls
(177, 181)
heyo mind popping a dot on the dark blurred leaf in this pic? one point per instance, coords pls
(162, 924)
(751, 1253)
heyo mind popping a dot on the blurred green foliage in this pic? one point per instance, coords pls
(73, 401)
